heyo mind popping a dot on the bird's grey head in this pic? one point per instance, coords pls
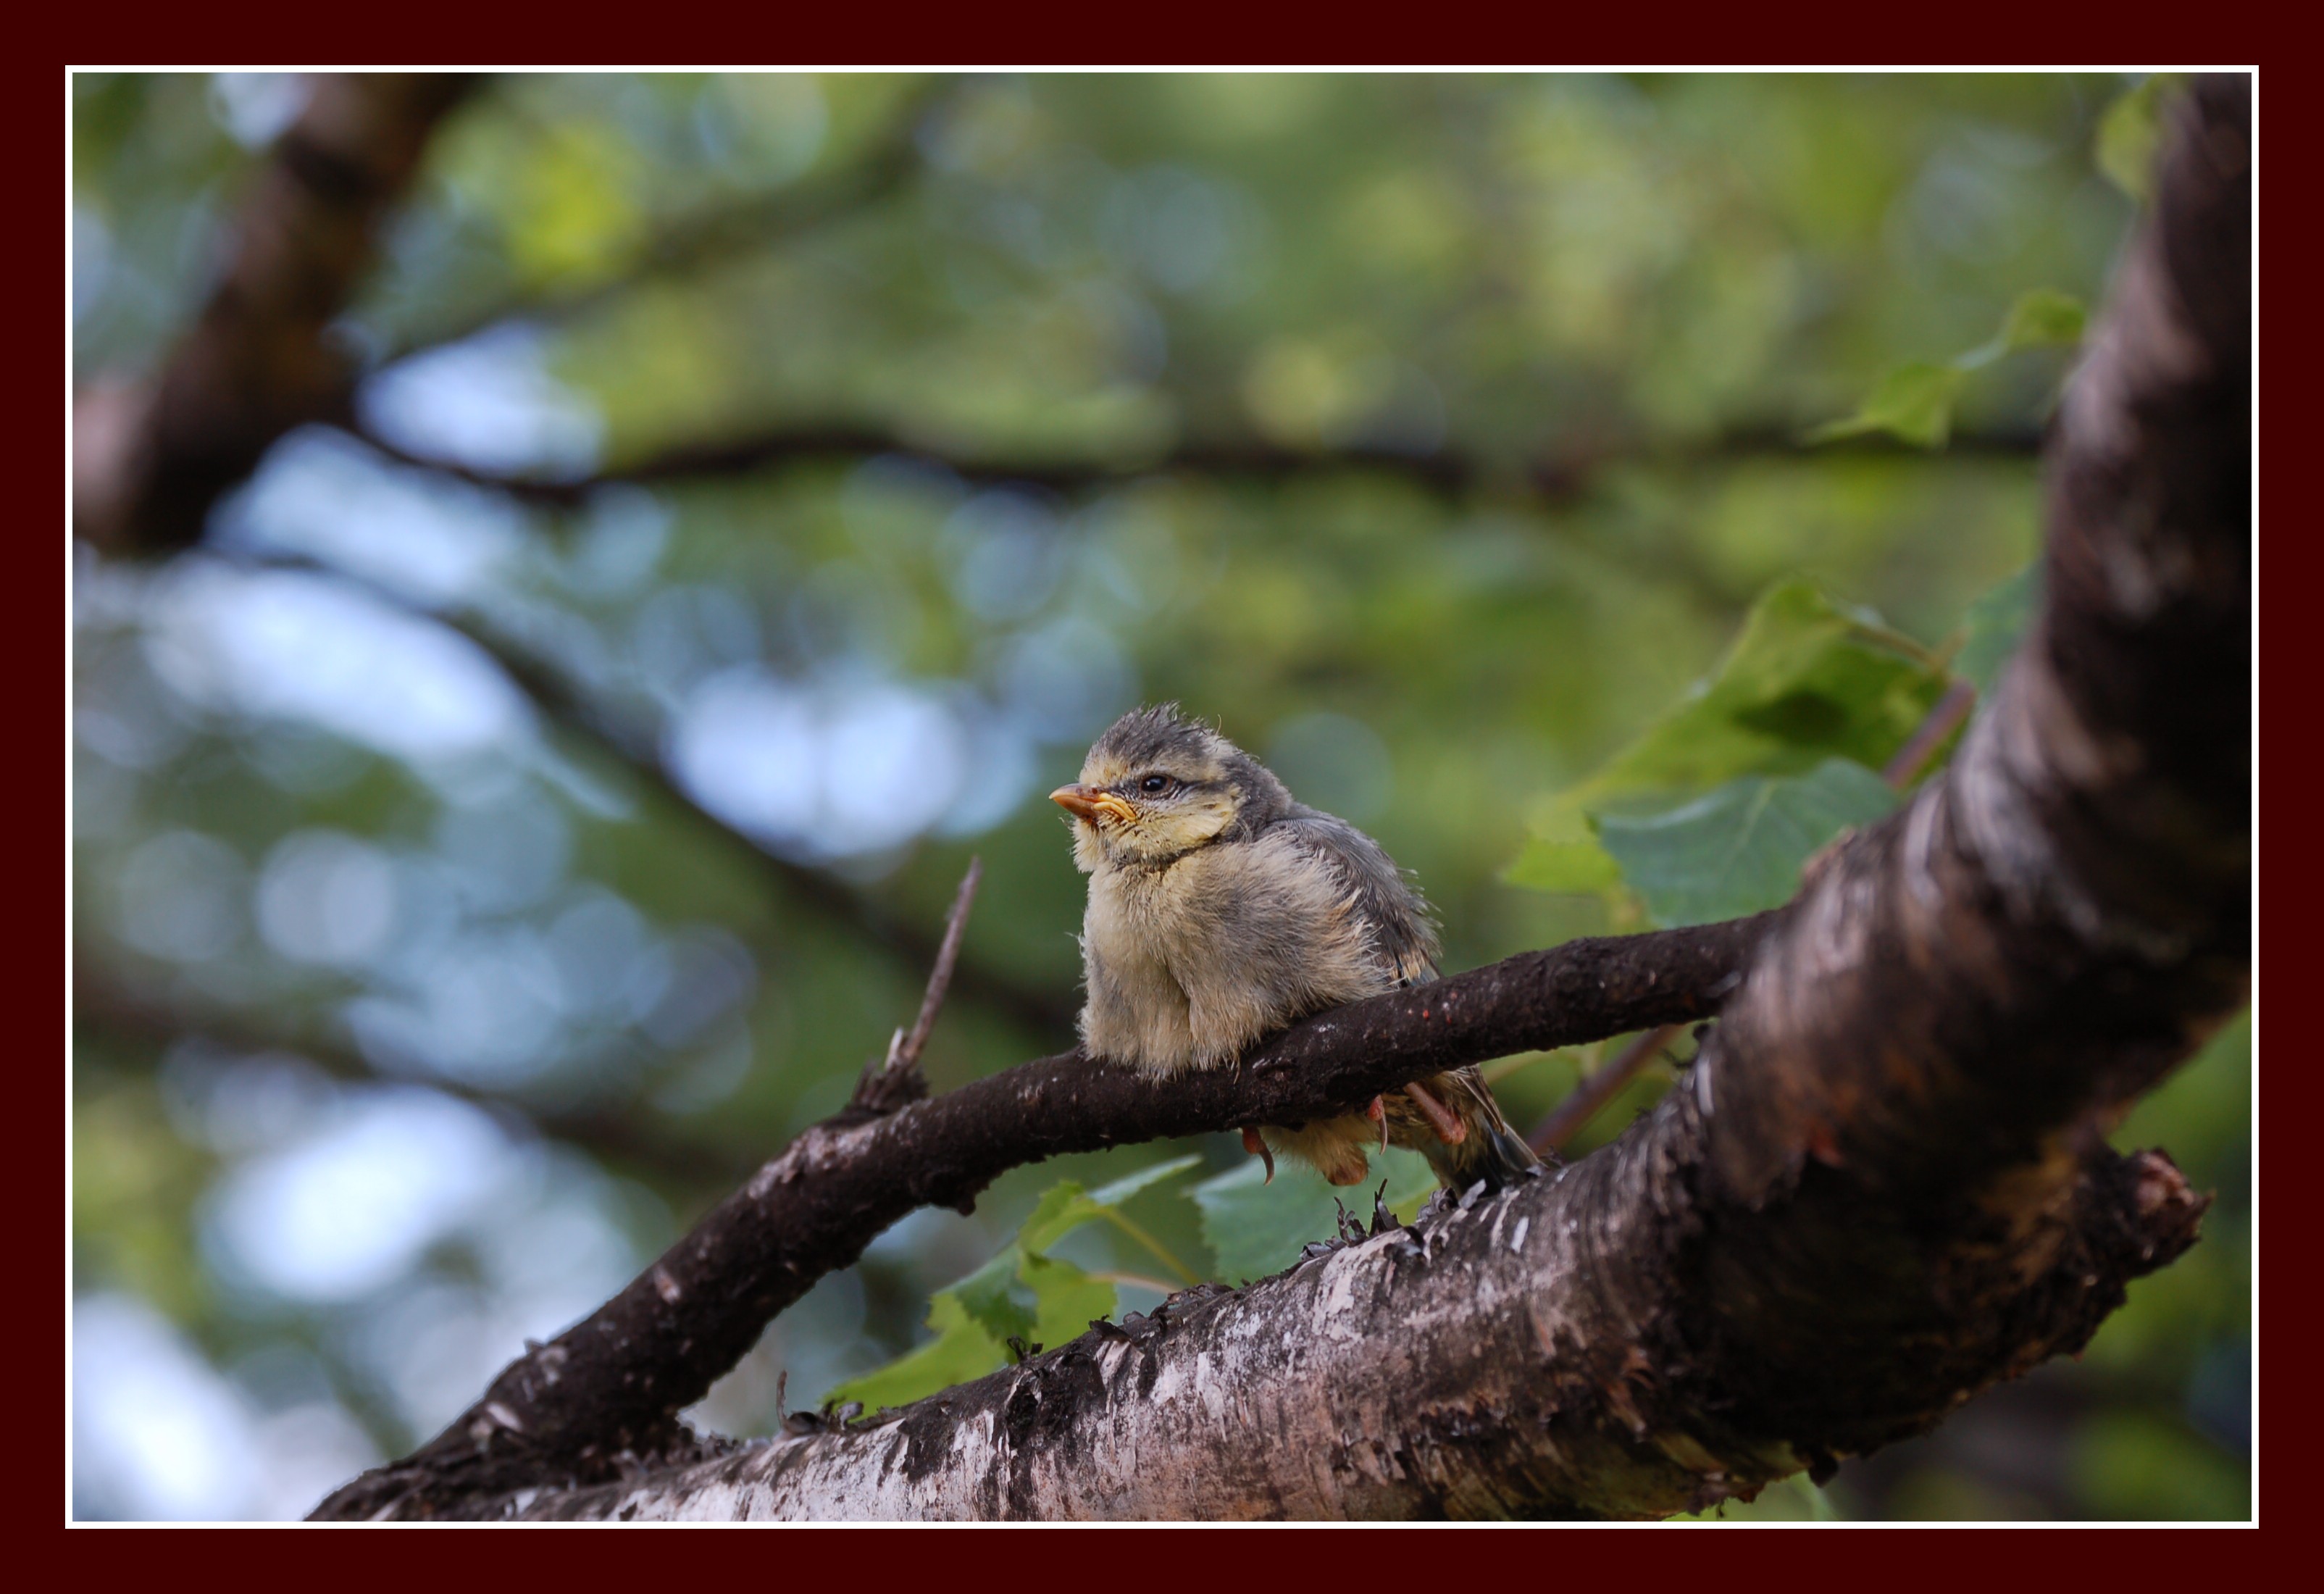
(1156, 786)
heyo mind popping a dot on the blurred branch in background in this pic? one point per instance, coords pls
(155, 452)
(623, 1132)
(1559, 478)
(152, 452)
(1046, 1015)
(1598, 1086)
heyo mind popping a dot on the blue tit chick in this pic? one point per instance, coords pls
(1221, 909)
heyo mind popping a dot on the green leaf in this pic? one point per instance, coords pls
(1130, 1185)
(997, 1298)
(1915, 402)
(1022, 1294)
(2041, 318)
(961, 1350)
(1563, 855)
(2130, 132)
(1254, 1228)
(1068, 1300)
(1996, 624)
(1806, 680)
(1063, 1207)
(1739, 849)
(1034, 1299)
(1911, 402)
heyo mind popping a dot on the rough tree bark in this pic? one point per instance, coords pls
(1883, 1186)
(609, 1390)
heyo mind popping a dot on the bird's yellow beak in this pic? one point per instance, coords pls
(1083, 803)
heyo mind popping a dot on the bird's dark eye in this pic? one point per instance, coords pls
(1154, 783)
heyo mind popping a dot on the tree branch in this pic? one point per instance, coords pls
(1555, 477)
(151, 454)
(1882, 1187)
(1040, 1012)
(1478, 1364)
(614, 1132)
(614, 1385)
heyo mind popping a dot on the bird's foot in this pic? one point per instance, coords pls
(1449, 1128)
(1377, 1113)
(1257, 1147)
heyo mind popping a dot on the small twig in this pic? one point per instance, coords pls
(897, 1079)
(1596, 1089)
(1138, 1281)
(1940, 722)
(1161, 1253)
(940, 977)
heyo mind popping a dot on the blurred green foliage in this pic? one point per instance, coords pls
(356, 921)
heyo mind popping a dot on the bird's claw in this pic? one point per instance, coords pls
(1377, 1113)
(1253, 1144)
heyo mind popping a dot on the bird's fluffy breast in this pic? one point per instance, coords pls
(1187, 965)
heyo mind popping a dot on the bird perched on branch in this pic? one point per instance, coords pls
(1221, 909)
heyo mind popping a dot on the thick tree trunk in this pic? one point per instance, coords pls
(1883, 1186)
(1545, 1354)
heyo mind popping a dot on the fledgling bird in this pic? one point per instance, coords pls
(1221, 909)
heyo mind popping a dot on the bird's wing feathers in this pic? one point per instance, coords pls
(1383, 898)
